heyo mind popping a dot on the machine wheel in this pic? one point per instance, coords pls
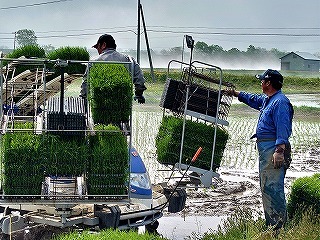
(152, 227)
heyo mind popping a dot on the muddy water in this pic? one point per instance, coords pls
(310, 100)
(180, 227)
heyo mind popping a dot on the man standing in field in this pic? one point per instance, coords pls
(106, 47)
(273, 130)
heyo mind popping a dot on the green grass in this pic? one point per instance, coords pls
(294, 82)
(108, 235)
(239, 226)
(244, 225)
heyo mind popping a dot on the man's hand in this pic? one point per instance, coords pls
(232, 92)
(140, 99)
(278, 157)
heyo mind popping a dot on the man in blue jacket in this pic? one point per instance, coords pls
(273, 130)
(106, 47)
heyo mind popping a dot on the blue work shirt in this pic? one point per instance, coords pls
(276, 112)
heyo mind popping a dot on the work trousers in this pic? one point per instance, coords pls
(272, 186)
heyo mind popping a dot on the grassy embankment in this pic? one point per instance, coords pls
(243, 225)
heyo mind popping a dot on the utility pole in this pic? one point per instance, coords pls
(138, 34)
(14, 40)
(147, 43)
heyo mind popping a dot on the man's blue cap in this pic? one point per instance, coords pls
(271, 75)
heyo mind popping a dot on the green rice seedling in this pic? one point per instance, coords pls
(28, 158)
(305, 193)
(110, 93)
(108, 169)
(70, 53)
(30, 51)
(168, 142)
(64, 156)
(22, 175)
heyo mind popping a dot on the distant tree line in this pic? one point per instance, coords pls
(253, 57)
(203, 50)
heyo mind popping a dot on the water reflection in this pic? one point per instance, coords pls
(180, 228)
(310, 100)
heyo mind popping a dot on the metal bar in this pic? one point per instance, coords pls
(212, 80)
(138, 34)
(46, 61)
(147, 43)
(61, 95)
(184, 125)
(49, 220)
(207, 118)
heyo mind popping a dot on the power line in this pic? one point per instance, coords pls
(34, 4)
(239, 34)
(181, 27)
(240, 28)
(81, 34)
(166, 33)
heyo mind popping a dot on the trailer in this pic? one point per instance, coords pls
(45, 191)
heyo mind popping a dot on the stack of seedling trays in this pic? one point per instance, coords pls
(28, 158)
(110, 97)
(110, 93)
(202, 119)
(67, 149)
(168, 142)
(22, 173)
(203, 96)
(72, 118)
(108, 168)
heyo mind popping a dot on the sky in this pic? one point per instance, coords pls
(288, 25)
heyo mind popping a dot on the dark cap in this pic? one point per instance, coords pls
(108, 39)
(271, 75)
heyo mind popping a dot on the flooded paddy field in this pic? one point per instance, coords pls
(238, 186)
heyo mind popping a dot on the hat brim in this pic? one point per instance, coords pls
(95, 46)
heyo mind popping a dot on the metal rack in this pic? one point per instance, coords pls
(37, 92)
(200, 96)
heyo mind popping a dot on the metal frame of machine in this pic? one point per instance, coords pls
(64, 209)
